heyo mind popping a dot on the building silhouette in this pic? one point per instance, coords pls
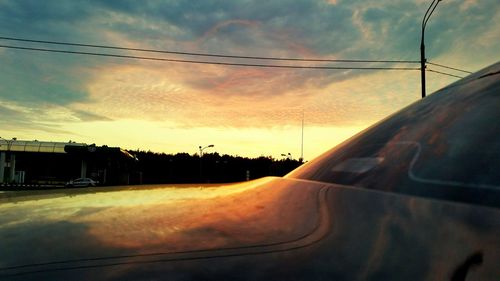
(54, 163)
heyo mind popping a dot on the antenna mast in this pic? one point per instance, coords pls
(302, 144)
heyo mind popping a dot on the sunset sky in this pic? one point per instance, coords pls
(247, 111)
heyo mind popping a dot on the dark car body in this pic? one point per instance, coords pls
(414, 197)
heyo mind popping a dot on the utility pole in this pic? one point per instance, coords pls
(422, 65)
(423, 60)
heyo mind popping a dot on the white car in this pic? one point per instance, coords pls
(82, 182)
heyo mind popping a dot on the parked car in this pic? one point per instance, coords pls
(414, 197)
(82, 182)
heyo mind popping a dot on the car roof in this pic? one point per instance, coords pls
(445, 146)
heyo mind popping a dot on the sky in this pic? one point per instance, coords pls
(248, 111)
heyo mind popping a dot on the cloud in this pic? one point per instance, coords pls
(86, 116)
(158, 94)
(40, 78)
(221, 25)
(333, 2)
(66, 88)
(467, 4)
(15, 119)
(9, 113)
(45, 118)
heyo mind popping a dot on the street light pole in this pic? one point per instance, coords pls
(422, 65)
(4, 157)
(423, 60)
(201, 155)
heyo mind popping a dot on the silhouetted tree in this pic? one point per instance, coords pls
(184, 168)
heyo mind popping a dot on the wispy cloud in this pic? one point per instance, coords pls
(467, 4)
(14, 120)
(86, 116)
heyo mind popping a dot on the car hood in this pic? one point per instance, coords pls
(67, 228)
(268, 229)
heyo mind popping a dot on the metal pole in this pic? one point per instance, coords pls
(7, 158)
(201, 155)
(12, 171)
(423, 60)
(2, 165)
(422, 64)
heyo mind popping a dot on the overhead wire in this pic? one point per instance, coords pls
(202, 54)
(219, 56)
(444, 73)
(206, 62)
(449, 67)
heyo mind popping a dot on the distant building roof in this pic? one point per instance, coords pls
(60, 147)
(35, 146)
(92, 149)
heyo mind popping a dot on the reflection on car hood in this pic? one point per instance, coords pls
(151, 220)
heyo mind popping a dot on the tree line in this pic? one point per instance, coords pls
(210, 168)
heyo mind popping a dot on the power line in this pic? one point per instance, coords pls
(443, 73)
(206, 62)
(203, 54)
(449, 67)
